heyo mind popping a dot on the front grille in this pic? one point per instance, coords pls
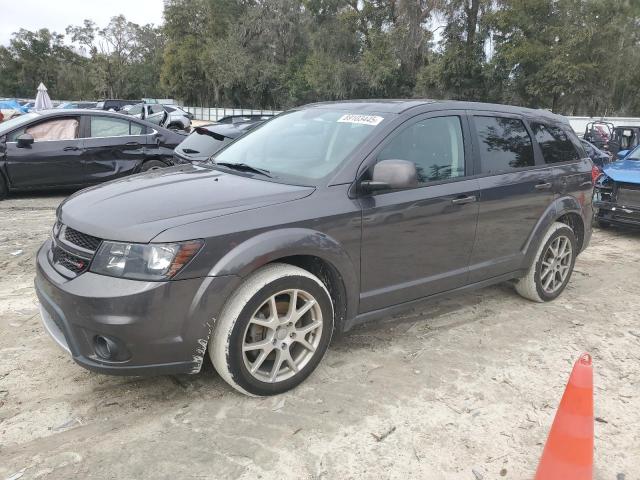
(70, 261)
(81, 240)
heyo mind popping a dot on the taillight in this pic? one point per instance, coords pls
(595, 173)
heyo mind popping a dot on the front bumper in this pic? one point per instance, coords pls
(613, 213)
(158, 327)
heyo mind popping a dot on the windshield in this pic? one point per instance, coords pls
(6, 127)
(634, 155)
(302, 146)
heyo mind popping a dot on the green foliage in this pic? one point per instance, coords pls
(572, 56)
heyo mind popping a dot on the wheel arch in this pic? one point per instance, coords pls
(567, 210)
(314, 251)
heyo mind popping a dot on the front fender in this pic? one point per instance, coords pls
(270, 246)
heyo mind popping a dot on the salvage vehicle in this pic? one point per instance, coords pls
(77, 148)
(623, 138)
(114, 105)
(76, 105)
(598, 133)
(261, 255)
(152, 113)
(617, 192)
(206, 140)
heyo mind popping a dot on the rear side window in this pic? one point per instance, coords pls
(555, 143)
(113, 127)
(435, 145)
(505, 144)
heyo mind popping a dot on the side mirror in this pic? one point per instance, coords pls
(25, 140)
(621, 154)
(392, 175)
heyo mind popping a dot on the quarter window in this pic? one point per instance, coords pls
(435, 145)
(505, 144)
(555, 144)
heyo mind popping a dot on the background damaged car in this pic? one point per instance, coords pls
(617, 192)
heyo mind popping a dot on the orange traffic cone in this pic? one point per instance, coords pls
(568, 453)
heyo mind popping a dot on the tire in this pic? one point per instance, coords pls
(533, 285)
(602, 224)
(268, 371)
(4, 190)
(152, 165)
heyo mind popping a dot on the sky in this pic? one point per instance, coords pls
(57, 15)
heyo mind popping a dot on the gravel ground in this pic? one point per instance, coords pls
(465, 388)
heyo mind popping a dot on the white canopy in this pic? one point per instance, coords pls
(43, 102)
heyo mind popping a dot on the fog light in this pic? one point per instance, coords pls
(106, 348)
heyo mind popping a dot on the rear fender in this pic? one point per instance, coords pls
(557, 209)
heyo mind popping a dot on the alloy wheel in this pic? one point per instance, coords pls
(556, 264)
(282, 335)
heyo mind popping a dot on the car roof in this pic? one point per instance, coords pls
(70, 112)
(399, 106)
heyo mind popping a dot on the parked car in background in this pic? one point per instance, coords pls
(178, 118)
(623, 138)
(321, 219)
(597, 156)
(76, 148)
(175, 119)
(206, 140)
(245, 118)
(617, 192)
(151, 112)
(114, 104)
(76, 105)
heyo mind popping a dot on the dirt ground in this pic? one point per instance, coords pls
(465, 388)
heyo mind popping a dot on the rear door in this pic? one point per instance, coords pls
(54, 159)
(516, 188)
(113, 147)
(155, 114)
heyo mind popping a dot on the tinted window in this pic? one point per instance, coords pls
(109, 127)
(505, 144)
(435, 145)
(554, 142)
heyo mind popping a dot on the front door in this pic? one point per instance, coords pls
(417, 242)
(54, 158)
(114, 147)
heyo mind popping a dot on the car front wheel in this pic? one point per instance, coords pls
(551, 270)
(273, 331)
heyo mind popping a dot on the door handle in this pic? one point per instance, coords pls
(543, 186)
(70, 149)
(464, 200)
(132, 144)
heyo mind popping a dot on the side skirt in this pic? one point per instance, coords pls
(395, 309)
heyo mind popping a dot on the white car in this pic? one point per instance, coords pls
(168, 116)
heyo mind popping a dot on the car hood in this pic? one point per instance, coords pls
(627, 171)
(140, 207)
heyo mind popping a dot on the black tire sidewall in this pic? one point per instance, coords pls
(235, 361)
(563, 231)
(4, 189)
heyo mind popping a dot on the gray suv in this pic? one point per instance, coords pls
(320, 219)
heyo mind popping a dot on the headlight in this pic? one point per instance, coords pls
(139, 261)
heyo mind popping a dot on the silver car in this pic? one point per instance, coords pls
(167, 116)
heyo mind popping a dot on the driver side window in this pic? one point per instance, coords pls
(51, 130)
(434, 145)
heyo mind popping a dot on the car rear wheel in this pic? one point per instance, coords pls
(547, 278)
(152, 165)
(273, 331)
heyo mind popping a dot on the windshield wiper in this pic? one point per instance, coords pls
(243, 167)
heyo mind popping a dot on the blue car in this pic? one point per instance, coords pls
(617, 191)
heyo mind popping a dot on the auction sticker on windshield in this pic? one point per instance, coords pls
(363, 119)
